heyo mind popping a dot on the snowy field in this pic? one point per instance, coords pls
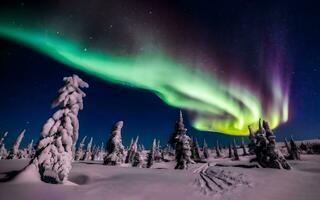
(200, 181)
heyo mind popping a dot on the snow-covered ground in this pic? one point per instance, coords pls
(200, 181)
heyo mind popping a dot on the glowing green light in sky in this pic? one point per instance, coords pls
(217, 106)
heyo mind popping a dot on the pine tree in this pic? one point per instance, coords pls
(151, 154)
(182, 144)
(230, 151)
(52, 162)
(15, 153)
(205, 149)
(131, 152)
(88, 153)
(243, 147)
(80, 152)
(3, 150)
(114, 147)
(218, 152)
(235, 150)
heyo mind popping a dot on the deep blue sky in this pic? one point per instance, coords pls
(29, 80)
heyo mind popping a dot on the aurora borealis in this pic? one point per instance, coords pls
(224, 102)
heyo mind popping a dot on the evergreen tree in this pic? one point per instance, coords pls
(205, 149)
(15, 153)
(58, 136)
(115, 149)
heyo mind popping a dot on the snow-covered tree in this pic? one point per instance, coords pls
(178, 129)
(205, 149)
(3, 150)
(132, 151)
(230, 150)
(29, 151)
(115, 149)
(3, 137)
(265, 148)
(182, 143)
(218, 152)
(80, 152)
(158, 154)
(151, 154)
(195, 150)
(294, 152)
(88, 153)
(52, 162)
(15, 153)
(235, 150)
(137, 160)
(244, 150)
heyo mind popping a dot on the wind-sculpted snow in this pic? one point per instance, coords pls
(214, 181)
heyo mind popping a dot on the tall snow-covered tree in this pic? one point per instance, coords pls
(151, 154)
(3, 137)
(132, 151)
(244, 150)
(158, 154)
(235, 150)
(182, 144)
(218, 152)
(14, 153)
(80, 152)
(205, 149)
(115, 149)
(195, 150)
(178, 129)
(52, 162)
(29, 151)
(230, 151)
(3, 150)
(88, 153)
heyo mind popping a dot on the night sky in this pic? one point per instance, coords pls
(233, 42)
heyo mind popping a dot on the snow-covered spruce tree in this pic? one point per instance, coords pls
(294, 153)
(151, 154)
(3, 150)
(230, 151)
(14, 153)
(3, 137)
(80, 152)
(235, 150)
(244, 150)
(205, 149)
(114, 148)
(29, 151)
(265, 148)
(218, 152)
(252, 143)
(52, 161)
(138, 160)
(158, 153)
(178, 129)
(195, 150)
(132, 151)
(182, 143)
(88, 153)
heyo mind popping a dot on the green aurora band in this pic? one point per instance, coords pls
(216, 106)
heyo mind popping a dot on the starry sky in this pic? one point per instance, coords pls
(267, 51)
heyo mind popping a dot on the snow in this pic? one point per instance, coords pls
(92, 180)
